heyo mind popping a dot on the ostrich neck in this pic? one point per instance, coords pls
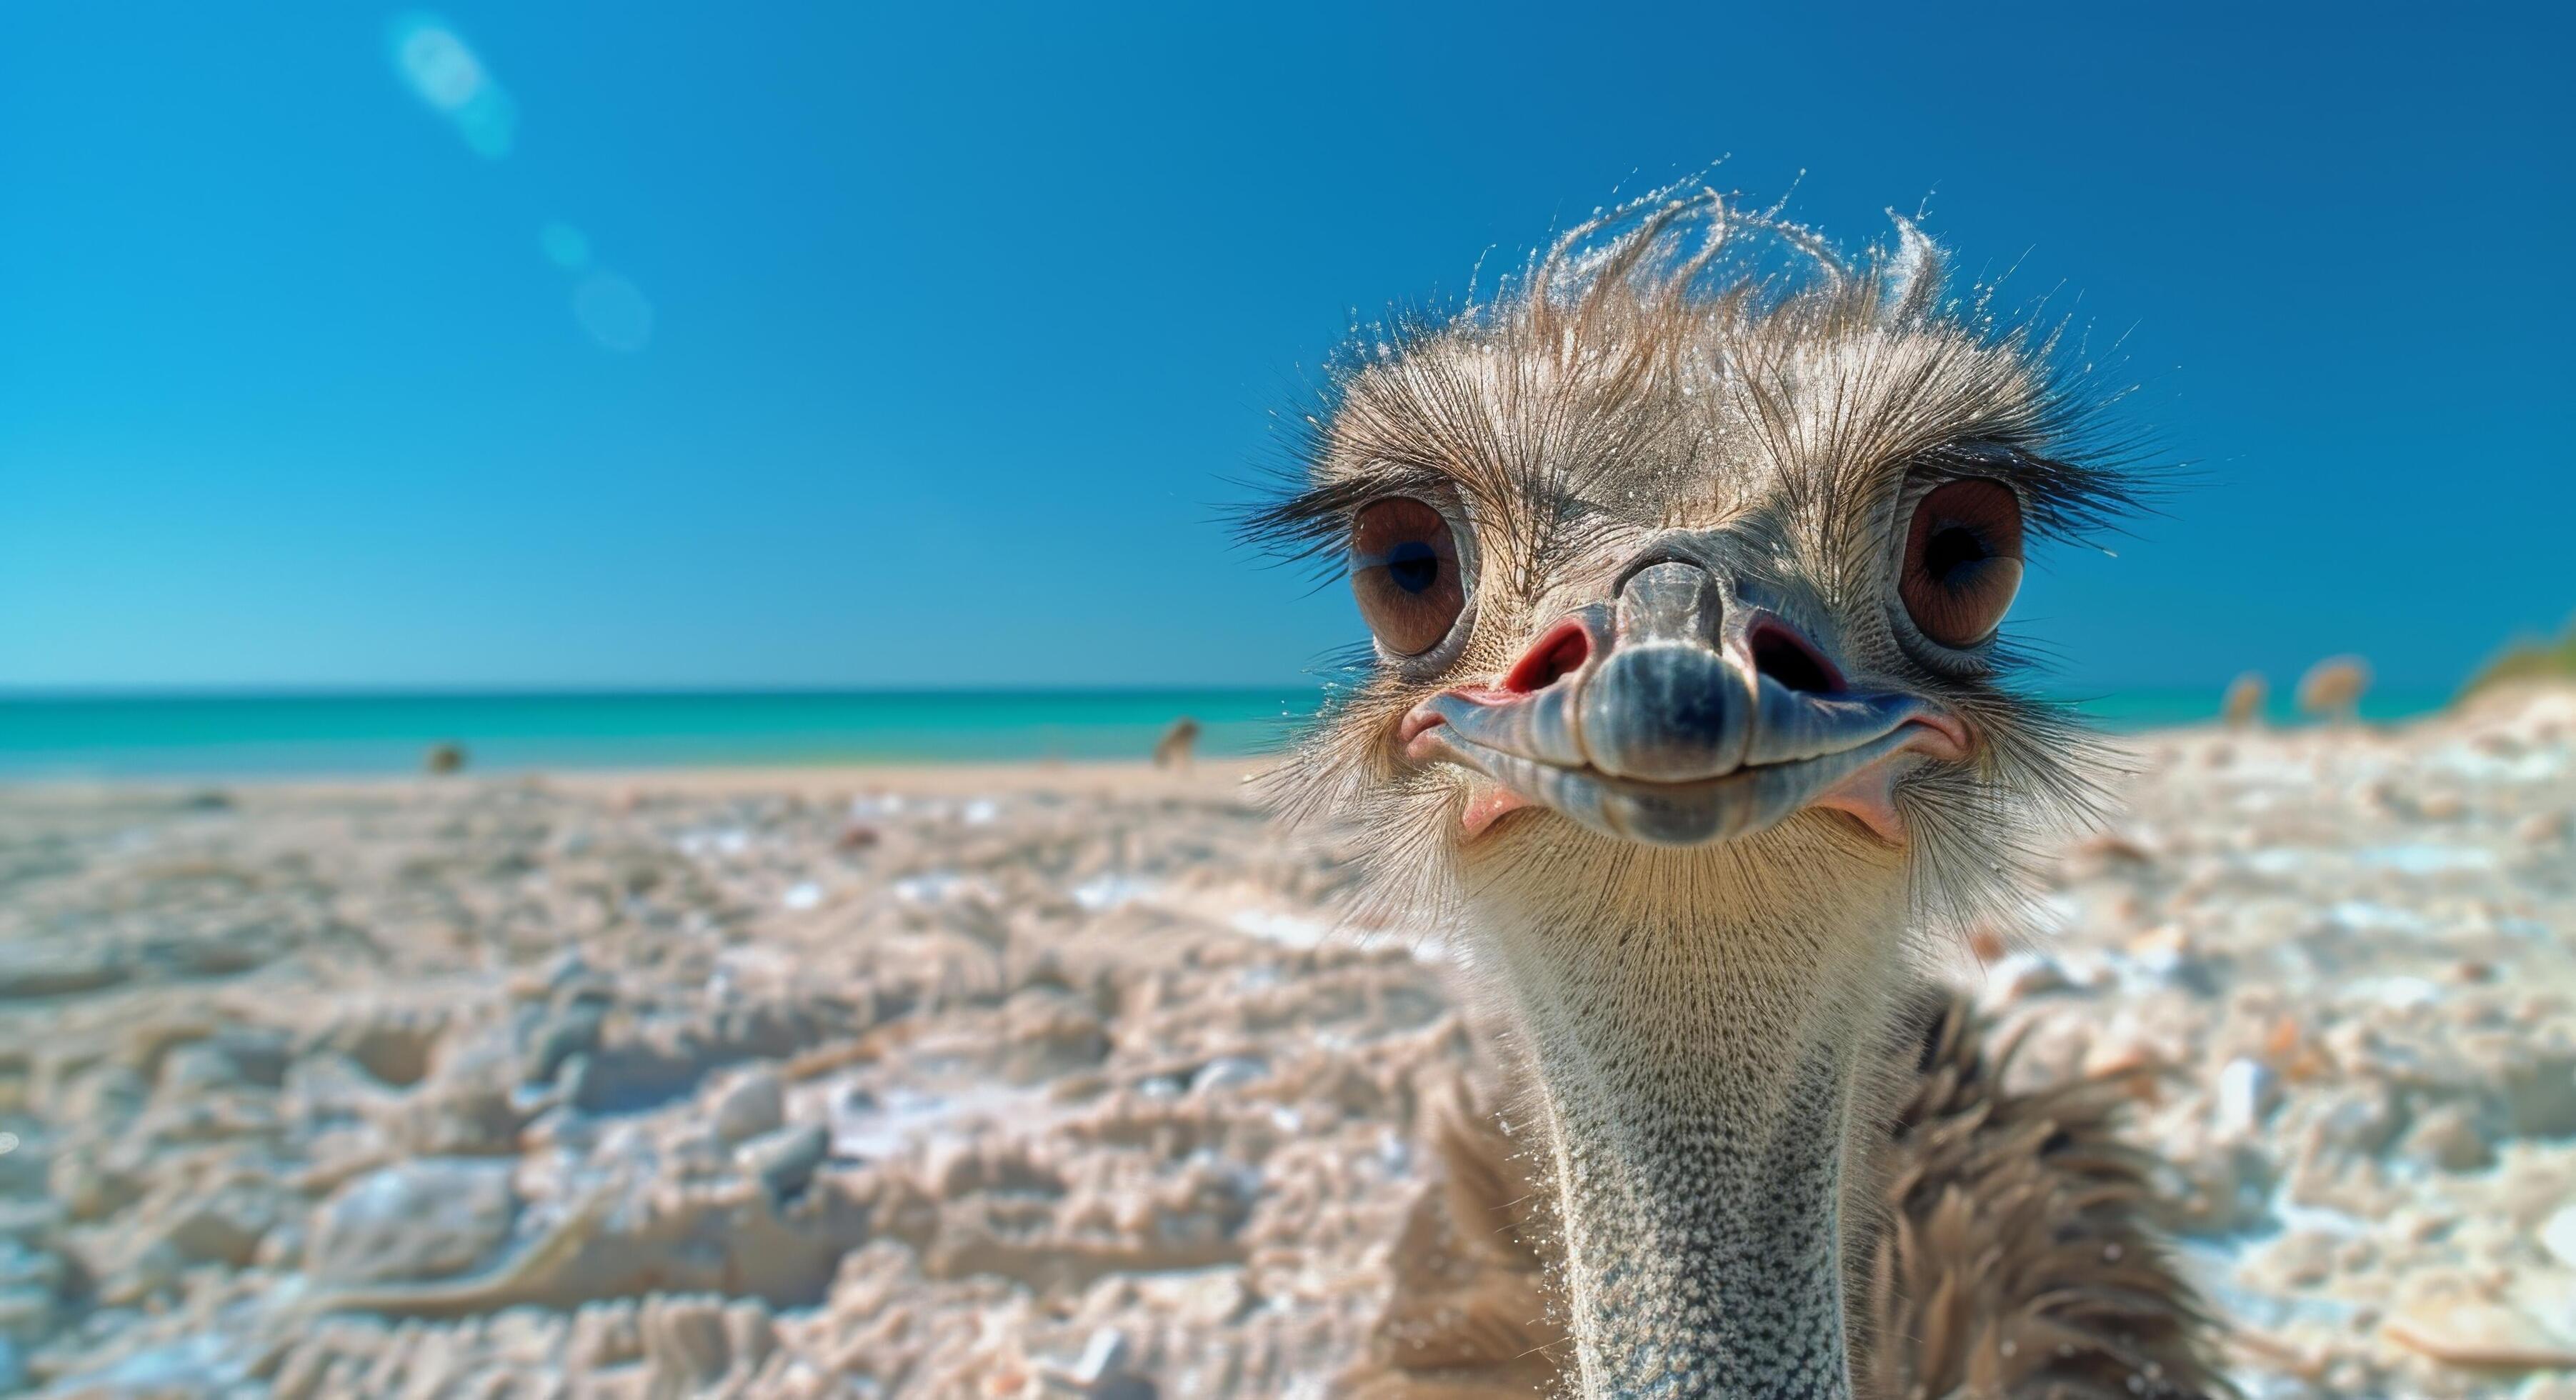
(1700, 1088)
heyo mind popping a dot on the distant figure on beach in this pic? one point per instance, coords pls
(444, 758)
(2243, 707)
(2332, 688)
(1175, 748)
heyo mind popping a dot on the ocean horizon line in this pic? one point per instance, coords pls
(9, 693)
(314, 732)
(333, 691)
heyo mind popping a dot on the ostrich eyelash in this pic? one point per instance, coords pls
(1411, 405)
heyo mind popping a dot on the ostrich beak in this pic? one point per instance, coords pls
(1674, 719)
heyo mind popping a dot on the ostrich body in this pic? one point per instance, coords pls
(1683, 574)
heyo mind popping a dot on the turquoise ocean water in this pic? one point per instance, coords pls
(59, 736)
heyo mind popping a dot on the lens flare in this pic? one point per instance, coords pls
(564, 245)
(613, 311)
(444, 72)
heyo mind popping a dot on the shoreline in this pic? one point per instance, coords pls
(263, 739)
(962, 778)
(1019, 774)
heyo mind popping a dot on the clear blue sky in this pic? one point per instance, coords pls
(836, 344)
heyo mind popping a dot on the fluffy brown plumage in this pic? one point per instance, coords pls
(2013, 1258)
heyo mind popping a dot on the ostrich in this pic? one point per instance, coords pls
(1683, 559)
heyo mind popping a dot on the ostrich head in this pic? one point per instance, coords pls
(1684, 560)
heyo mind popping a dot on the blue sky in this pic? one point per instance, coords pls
(845, 345)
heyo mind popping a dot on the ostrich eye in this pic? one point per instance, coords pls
(1962, 561)
(1404, 570)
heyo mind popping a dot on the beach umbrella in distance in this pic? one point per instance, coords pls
(2243, 706)
(2332, 689)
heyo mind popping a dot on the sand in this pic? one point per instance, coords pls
(1065, 1081)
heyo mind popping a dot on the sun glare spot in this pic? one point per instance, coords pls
(438, 66)
(565, 246)
(613, 312)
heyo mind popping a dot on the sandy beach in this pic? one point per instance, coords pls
(1070, 1080)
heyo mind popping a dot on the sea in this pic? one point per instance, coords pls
(51, 736)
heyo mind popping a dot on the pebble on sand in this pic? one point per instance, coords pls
(2470, 1332)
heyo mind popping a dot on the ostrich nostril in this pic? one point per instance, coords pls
(1557, 655)
(1793, 661)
